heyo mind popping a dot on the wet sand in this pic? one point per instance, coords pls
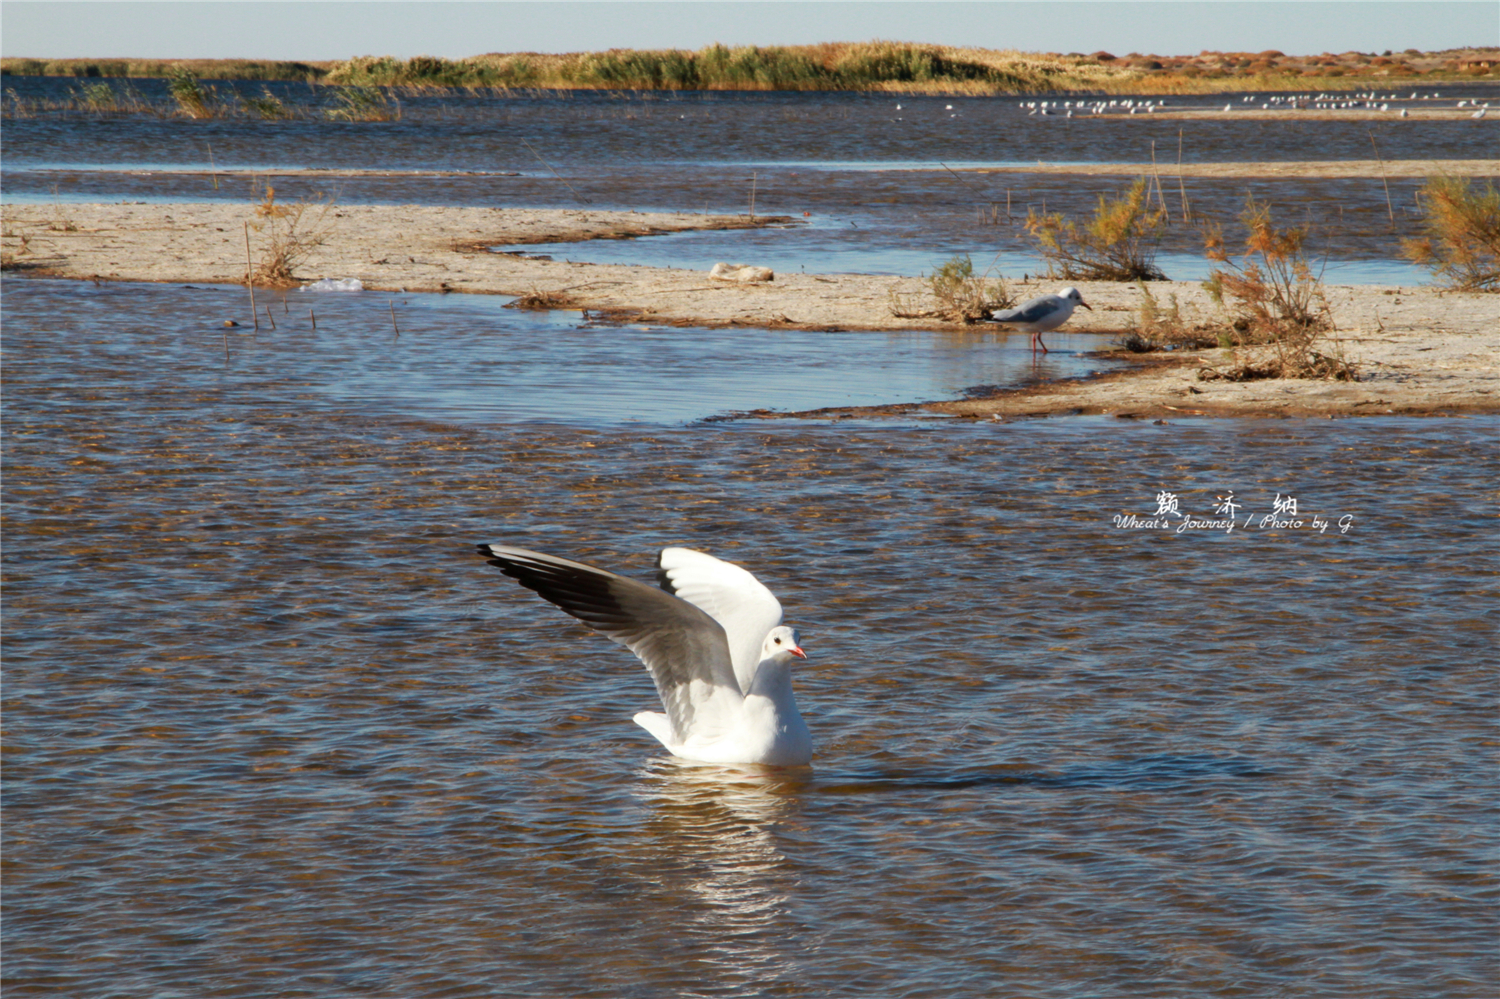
(1418, 350)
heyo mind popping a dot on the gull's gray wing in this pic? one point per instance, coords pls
(686, 651)
(1032, 311)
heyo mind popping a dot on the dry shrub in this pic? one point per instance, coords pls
(295, 231)
(1118, 244)
(1461, 234)
(1274, 290)
(960, 294)
(1278, 303)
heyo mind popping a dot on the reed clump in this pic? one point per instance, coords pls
(362, 103)
(267, 106)
(1118, 243)
(1460, 241)
(97, 97)
(293, 233)
(193, 99)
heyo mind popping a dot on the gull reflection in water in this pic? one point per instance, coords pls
(711, 828)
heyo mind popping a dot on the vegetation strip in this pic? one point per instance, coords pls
(859, 66)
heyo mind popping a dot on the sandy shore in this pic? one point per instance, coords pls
(1418, 350)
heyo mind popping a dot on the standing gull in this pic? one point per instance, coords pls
(711, 638)
(1042, 314)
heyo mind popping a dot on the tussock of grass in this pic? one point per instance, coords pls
(267, 106)
(1160, 326)
(1461, 234)
(959, 294)
(192, 97)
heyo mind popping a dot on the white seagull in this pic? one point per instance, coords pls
(1042, 314)
(711, 637)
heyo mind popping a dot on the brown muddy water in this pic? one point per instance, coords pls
(272, 729)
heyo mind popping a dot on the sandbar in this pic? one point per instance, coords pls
(1419, 350)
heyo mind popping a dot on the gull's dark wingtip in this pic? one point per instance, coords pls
(511, 567)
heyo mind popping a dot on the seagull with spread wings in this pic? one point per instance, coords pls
(711, 637)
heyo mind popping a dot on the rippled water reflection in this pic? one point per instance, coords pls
(272, 728)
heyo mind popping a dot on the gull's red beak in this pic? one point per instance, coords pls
(796, 650)
(1085, 305)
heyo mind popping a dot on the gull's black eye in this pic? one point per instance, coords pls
(778, 641)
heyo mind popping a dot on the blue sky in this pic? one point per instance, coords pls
(317, 30)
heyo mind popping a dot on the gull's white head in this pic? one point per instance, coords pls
(1076, 296)
(782, 641)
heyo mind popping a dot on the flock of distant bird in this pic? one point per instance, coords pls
(1367, 101)
(1091, 107)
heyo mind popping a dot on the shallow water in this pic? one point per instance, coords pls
(873, 183)
(273, 729)
(828, 249)
(464, 358)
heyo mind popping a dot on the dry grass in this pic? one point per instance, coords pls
(1461, 234)
(1162, 326)
(294, 232)
(1118, 244)
(10, 258)
(1306, 363)
(537, 300)
(201, 69)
